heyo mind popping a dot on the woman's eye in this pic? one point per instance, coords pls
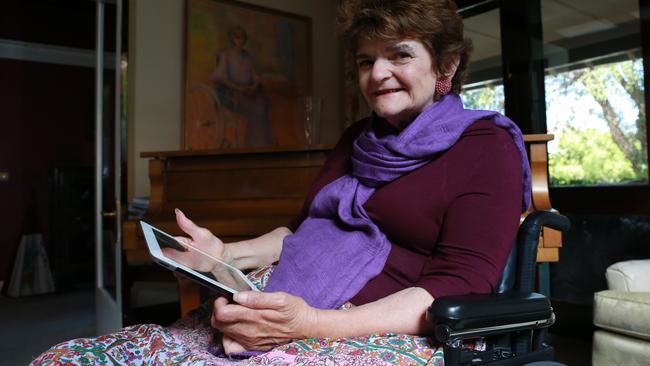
(402, 55)
(364, 63)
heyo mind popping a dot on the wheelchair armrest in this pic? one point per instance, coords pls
(470, 316)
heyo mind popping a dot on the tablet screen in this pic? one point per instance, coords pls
(166, 241)
(221, 274)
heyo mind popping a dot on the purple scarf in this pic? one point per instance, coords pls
(338, 248)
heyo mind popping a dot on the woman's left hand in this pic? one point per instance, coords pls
(259, 321)
(230, 346)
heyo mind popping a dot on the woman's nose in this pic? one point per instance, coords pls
(381, 70)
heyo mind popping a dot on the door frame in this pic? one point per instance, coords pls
(108, 307)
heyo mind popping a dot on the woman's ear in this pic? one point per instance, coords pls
(449, 70)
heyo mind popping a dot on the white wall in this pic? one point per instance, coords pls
(155, 59)
(155, 75)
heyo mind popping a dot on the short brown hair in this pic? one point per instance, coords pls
(436, 23)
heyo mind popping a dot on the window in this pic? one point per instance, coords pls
(484, 86)
(486, 95)
(595, 101)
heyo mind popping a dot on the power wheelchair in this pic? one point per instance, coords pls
(513, 320)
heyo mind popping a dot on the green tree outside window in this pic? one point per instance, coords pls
(597, 114)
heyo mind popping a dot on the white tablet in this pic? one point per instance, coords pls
(224, 278)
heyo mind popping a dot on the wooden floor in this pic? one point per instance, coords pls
(570, 350)
(571, 336)
(30, 325)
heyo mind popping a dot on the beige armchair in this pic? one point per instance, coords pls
(622, 315)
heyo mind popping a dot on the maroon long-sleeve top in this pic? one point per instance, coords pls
(451, 223)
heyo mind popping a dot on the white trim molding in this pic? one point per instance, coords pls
(45, 53)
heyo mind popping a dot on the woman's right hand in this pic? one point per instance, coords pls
(200, 238)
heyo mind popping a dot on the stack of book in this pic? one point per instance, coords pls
(138, 207)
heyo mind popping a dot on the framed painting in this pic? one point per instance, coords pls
(247, 75)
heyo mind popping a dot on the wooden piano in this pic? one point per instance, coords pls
(239, 194)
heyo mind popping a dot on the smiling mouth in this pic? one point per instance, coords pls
(387, 91)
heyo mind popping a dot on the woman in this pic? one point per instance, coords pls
(420, 200)
(238, 88)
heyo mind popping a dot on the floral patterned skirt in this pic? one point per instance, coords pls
(189, 341)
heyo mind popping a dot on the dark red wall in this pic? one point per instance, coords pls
(46, 114)
(46, 120)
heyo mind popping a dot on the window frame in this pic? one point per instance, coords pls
(614, 199)
(523, 78)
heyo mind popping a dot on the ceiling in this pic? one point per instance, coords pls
(562, 20)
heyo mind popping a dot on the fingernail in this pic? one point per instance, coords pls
(177, 211)
(240, 297)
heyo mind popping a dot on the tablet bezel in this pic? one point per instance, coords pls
(156, 254)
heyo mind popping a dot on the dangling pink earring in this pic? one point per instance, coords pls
(443, 86)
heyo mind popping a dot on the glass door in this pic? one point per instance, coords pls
(108, 248)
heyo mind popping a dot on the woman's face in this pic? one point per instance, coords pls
(396, 78)
(238, 38)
